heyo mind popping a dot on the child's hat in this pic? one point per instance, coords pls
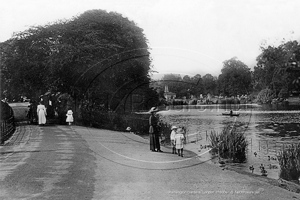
(174, 127)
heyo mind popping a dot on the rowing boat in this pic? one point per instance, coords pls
(231, 114)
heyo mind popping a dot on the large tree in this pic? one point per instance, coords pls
(197, 85)
(96, 56)
(209, 84)
(235, 78)
(275, 65)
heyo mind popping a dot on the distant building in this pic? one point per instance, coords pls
(169, 95)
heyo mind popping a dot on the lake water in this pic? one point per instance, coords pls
(268, 129)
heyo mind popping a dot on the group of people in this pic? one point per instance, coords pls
(177, 140)
(41, 113)
(177, 135)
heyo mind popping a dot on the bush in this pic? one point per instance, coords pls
(228, 101)
(6, 111)
(265, 96)
(165, 131)
(230, 144)
(289, 161)
(139, 123)
(284, 93)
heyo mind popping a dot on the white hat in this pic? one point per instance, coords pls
(153, 109)
(174, 127)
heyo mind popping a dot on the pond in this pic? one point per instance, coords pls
(268, 129)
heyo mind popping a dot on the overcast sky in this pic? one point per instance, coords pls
(187, 37)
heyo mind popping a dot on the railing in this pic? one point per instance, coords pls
(7, 129)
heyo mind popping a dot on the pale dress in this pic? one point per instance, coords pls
(69, 116)
(179, 138)
(41, 112)
(172, 137)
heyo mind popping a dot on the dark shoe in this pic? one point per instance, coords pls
(152, 150)
(159, 151)
(181, 155)
(178, 154)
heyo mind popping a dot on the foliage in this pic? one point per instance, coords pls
(6, 111)
(289, 161)
(277, 67)
(265, 96)
(283, 93)
(98, 58)
(230, 144)
(209, 84)
(186, 86)
(165, 130)
(235, 78)
(116, 121)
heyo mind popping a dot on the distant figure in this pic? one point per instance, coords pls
(41, 112)
(251, 168)
(70, 118)
(32, 114)
(172, 138)
(201, 97)
(231, 112)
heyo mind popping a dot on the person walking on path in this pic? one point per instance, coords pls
(32, 114)
(179, 139)
(172, 138)
(154, 130)
(70, 118)
(41, 112)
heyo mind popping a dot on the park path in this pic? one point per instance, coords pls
(74, 162)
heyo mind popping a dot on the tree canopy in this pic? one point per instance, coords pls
(235, 78)
(92, 55)
(277, 67)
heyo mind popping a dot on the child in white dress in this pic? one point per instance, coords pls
(69, 115)
(172, 138)
(179, 139)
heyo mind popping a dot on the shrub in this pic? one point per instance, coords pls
(230, 144)
(6, 111)
(289, 161)
(283, 93)
(265, 96)
(139, 123)
(165, 131)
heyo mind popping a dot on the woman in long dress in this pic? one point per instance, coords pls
(41, 112)
(153, 131)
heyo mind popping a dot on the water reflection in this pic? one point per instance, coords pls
(268, 128)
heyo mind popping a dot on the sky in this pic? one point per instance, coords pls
(186, 37)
